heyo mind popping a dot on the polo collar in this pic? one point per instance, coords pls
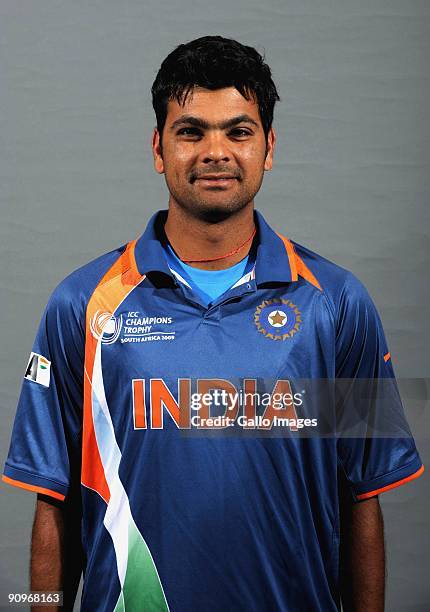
(275, 260)
(149, 250)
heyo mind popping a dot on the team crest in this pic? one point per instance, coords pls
(106, 327)
(277, 319)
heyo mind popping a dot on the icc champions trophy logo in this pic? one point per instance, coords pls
(106, 327)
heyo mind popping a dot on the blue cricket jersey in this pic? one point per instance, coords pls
(179, 514)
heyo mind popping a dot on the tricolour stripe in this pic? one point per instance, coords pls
(140, 584)
(118, 281)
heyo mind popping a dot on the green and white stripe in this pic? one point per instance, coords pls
(141, 588)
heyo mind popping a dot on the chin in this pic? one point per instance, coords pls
(217, 211)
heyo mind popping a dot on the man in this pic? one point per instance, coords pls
(209, 298)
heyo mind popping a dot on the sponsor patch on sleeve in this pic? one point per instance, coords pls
(38, 369)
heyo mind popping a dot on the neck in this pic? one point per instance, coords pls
(194, 238)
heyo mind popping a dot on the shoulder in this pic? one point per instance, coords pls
(339, 285)
(70, 297)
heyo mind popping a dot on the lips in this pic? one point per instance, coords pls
(219, 180)
(215, 177)
(216, 182)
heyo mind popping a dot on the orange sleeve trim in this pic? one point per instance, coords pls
(393, 485)
(28, 487)
(386, 357)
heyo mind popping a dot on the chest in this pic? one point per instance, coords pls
(157, 351)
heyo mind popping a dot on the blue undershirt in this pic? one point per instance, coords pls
(208, 284)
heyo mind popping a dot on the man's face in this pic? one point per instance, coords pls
(213, 152)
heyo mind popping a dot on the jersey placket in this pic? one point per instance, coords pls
(229, 295)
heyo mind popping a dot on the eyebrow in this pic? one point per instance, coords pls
(223, 125)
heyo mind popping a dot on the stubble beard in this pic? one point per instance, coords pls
(212, 210)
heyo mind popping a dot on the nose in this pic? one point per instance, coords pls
(215, 148)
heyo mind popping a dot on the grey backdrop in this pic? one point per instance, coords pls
(351, 181)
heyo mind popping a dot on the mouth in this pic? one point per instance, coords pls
(216, 180)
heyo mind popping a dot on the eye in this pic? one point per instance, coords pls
(189, 131)
(240, 132)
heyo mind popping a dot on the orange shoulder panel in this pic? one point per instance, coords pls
(297, 265)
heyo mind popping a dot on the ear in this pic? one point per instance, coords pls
(157, 152)
(270, 147)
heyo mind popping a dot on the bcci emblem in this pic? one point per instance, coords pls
(106, 327)
(277, 319)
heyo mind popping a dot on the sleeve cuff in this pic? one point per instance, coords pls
(364, 490)
(33, 482)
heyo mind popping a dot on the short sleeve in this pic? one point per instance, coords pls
(375, 446)
(44, 453)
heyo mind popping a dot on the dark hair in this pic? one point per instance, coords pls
(214, 62)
